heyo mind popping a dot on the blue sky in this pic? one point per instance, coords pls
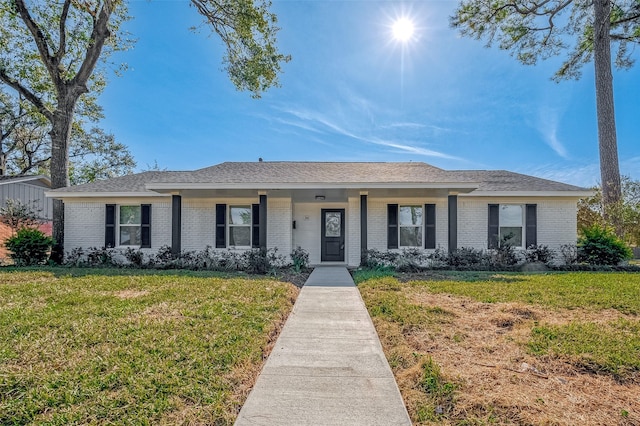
(352, 93)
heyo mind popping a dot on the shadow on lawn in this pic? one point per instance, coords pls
(296, 278)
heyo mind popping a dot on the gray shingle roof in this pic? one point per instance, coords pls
(502, 180)
(323, 172)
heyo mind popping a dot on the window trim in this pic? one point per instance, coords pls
(523, 218)
(421, 226)
(249, 225)
(118, 225)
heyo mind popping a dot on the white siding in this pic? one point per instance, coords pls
(556, 225)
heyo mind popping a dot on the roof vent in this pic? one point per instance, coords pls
(260, 159)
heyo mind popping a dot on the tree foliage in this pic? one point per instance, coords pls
(533, 30)
(582, 31)
(591, 211)
(25, 146)
(16, 214)
(54, 55)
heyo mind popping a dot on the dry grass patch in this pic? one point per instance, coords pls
(488, 371)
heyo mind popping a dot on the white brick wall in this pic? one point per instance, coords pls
(198, 223)
(308, 229)
(352, 223)
(557, 221)
(84, 221)
(279, 225)
(377, 218)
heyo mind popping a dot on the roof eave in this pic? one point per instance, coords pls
(172, 187)
(43, 178)
(97, 194)
(570, 193)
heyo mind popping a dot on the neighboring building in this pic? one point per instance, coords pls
(332, 210)
(29, 190)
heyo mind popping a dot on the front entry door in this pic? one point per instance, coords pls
(332, 239)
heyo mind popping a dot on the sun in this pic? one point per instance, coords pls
(403, 29)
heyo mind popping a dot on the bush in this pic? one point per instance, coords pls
(300, 259)
(29, 247)
(600, 246)
(535, 253)
(466, 257)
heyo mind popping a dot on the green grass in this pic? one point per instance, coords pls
(589, 290)
(132, 347)
(612, 348)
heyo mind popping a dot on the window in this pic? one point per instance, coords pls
(240, 226)
(410, 226)
(130, 226)
(511, 220)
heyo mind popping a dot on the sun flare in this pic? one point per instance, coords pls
(403, 29)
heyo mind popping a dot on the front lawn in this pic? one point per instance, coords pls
(485, 348)
(133, 347)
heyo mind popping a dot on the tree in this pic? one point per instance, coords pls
(590, 211)
(16, 214)
(25, 145)
(53, 55)
(585, 30)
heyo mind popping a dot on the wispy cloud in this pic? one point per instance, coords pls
(586, 175)
(548, 119)
(320, 122)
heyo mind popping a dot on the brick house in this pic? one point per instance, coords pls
(332, 210)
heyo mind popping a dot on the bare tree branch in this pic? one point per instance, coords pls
(27, 94)
(39, 38)
(99, 35)
(63, 32)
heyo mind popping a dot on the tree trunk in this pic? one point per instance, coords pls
(59, 168)
(607, 140)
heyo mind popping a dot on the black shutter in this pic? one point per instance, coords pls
(221, 224)
(110, 226)
(430, 226)
(145, 229)
(531, 219)
(255, 225)
(392, 226)
(494, 225)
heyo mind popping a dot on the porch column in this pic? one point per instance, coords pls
(263, 221)
(176, 224)
(453, 223)
(363, 223)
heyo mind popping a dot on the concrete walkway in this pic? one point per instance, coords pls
(327, 366)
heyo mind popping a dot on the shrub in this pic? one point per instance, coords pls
(257, 261)
(569, 254)
(300, 259)
(375, 258)
(535, 253)
(466, 257)
(135, 257)
(29, 247)
(100, 256)
(411, 260)
(17, 215)
(598, 245)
